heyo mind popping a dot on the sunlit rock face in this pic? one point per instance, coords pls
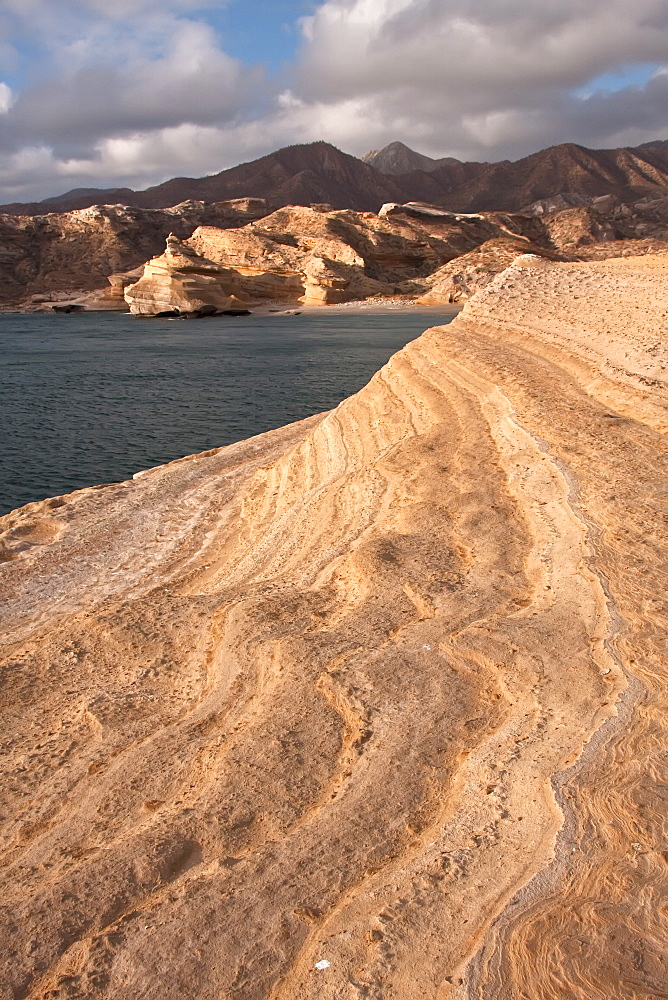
(61, 253)
(180, 281)
(314, 255)
(370, 705)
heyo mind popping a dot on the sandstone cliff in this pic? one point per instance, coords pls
(314, 254)
(372, 705)
(320, 257)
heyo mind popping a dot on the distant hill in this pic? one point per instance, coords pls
(64, 202)
(319, 173)
(629, 174)
(300, 175)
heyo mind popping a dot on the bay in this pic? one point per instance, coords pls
(93, 398)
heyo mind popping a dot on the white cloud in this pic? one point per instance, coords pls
(474, 77)
(191, 80)
(6, 98)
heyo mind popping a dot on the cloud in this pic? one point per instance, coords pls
(103, 79)
(191, 80)
(6, 98)
(133, 92)
(480, 77)
(468, 46)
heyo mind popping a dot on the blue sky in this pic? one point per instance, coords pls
(131, 92)
(637, 75)
(265, 30)
(255, 31)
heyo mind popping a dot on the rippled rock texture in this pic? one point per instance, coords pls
(372, 705)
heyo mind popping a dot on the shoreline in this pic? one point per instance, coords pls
(354, 340)
(360, 306)
(354, 307)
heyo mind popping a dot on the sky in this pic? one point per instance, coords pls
(128, 93)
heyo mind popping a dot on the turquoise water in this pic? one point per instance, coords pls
(88, 399)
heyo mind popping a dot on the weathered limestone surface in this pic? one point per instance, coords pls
(384, 689)
(465, 275)
(182, 281)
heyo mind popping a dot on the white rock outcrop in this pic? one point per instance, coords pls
(181, 281)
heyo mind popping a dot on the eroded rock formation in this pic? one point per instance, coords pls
(76, 252)
(465, 275)
(372, 705)
(181, 281)
(414, 250)
(313, 255)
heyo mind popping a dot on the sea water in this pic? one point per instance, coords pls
(93, 398)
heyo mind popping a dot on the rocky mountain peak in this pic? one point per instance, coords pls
(397, 158)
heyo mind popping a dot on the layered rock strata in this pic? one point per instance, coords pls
(372, 705)
(73, 253)
(314, 255)
(180, 281)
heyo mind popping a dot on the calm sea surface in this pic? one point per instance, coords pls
(88, 399)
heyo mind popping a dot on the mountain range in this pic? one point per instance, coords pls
(318, 172)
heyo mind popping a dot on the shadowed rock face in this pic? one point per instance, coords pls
(383, 689)
(465, 275)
